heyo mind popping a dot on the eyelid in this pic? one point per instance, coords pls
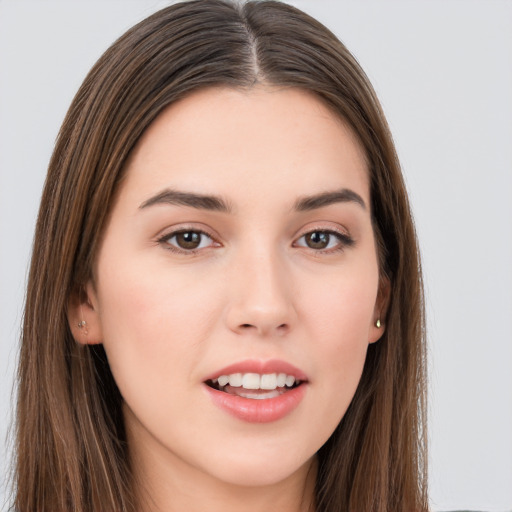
(344, 237)
(176, 230)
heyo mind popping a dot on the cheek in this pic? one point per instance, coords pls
(339, 320)
(152, 326)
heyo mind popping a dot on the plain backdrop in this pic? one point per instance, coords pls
(443, 71)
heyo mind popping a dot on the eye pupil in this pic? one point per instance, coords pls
(188, 239)
(317, 239)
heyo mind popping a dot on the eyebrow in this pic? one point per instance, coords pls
(323, 199)
(193, 200)
(216, 203)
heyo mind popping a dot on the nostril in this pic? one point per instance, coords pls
(264, 329)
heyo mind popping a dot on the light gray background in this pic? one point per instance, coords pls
(443, 71)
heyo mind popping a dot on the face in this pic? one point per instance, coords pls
(236, 287)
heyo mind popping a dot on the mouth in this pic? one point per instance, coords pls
(258, 391)
(255, 386)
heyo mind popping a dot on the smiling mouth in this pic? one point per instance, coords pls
(254, 385)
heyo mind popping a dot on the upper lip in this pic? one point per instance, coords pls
(261, 367)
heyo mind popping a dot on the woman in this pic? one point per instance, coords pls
(224, 307)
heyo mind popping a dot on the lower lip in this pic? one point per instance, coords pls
(258, 411)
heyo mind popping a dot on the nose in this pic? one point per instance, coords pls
(261, 296)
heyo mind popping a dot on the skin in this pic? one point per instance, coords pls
(253, 289)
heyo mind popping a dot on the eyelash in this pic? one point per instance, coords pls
(165, 240)
(344, 241)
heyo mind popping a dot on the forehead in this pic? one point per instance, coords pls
(263, 139)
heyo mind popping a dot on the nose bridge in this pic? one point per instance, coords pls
(261, 299)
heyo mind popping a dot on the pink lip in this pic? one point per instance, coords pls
(258, 411)
(253, 410)
(261, 367)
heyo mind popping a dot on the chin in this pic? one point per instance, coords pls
(255, 471)
(256, 477)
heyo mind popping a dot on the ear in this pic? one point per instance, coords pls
(83, 316)
(378, 325)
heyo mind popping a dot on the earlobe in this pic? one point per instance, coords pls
(378, 326)
(83, 317)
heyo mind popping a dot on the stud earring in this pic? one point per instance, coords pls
(377, 323)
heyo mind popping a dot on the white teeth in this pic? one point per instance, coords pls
(235, 380)
(290, 381)
(251, 381)
(267, 381)
(223, 380)
(260, 396)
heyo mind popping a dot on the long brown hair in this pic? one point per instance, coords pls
(71, 445)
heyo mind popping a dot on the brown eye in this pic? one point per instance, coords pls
(188, 240)
(325, 240)
(318, 239)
